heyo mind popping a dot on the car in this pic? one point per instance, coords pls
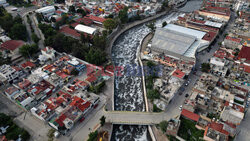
(186, 84)
(186, 95)
(180, 93)
(180, 107)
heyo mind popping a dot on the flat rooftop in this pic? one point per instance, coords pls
(192, 32)
(169, 40)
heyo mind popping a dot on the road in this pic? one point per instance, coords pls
(243, 129)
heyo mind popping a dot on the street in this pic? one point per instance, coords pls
(243, 130)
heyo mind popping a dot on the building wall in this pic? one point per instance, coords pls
(223, 17)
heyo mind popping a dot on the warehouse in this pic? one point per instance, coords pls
(85, 29)
(178, 42)
(46, 11)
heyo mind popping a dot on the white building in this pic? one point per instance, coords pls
(8, 72)
(85, 29)
(47, 53)
(3, 3)
(46, 11)
(217, 61)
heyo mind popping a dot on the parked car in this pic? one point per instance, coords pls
(180, 107)
(186, 95)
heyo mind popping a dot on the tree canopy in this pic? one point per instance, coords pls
(123, 15)
(28, 50)
(102, 120)
(109, 24)
(18, 32)
(95, 56)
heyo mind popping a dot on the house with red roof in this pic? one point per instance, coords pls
(97, 20)
(76, 110)
(179, 74)
(66, 30)
(12, 46)
(41, 90)
(24, 84)
(232, 42)
(244, 54)
(215, 131)
(52, 106)
(28, 65)
(190, 115)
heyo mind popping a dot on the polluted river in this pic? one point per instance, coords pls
(128, 92)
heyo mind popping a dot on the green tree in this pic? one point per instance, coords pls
(151, 26)
(123, 15)
(95, 56)
(39, 17)
(109, 24)
(35, 38)
(102, 120)
(205, 67)
(165, 4)
(28, 50)
(81, 11)
(164, 23)
(93, 136)
(19, 32)
(163, 125)
(99, 41)
(153, 94)
(72, 9)
(156, 109)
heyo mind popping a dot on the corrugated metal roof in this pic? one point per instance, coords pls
(198, 34)
(85, 29)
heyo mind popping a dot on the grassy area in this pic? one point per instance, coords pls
(13, 131)
(98, 88)
(188, 131)
(156, 109)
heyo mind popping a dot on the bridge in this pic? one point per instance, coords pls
(135, 118)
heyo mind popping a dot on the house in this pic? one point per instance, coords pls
(76, 110)
(24, 84)
(179, 74)
(231, 116)
(66, 30)
(232, 42)
(52, 106)
(96, 20)
(68, 69)
(47, 53)
(217, 13)
(190, 115)
(28, 65)
(24, 100)
(41, 90)
(11, 91)
(12, 46)
(215, 132)
(244, 54)
(173, 127)
(8, 72)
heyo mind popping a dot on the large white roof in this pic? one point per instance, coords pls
(198, 34)
(85, 29)
(44, 9)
